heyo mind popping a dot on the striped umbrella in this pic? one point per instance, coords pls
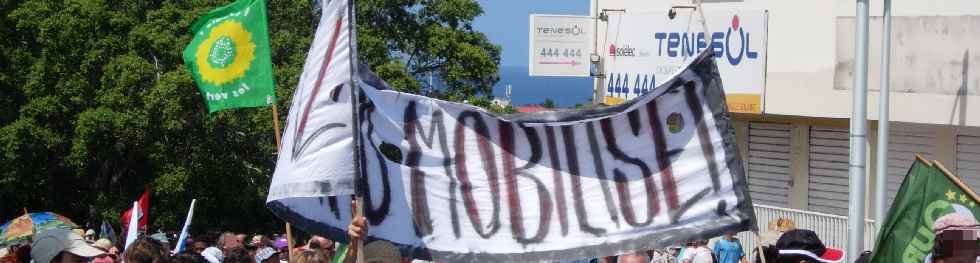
(21, 229)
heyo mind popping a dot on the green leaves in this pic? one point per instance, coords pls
(95, 102)
(428, 37)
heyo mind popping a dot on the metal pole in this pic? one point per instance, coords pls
(599, 96)
(858, 136)
(882, 171)
(355, 101)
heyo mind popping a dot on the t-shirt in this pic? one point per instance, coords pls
(728, 251)
(660, 257)
(698, 255)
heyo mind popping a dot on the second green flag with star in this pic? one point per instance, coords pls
(926, 194)
(229, 56)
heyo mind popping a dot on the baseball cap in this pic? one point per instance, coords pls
(805, 243)
(213, 255)
(49, 244)
(264, 253)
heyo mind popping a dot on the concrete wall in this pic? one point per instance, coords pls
(802, 58)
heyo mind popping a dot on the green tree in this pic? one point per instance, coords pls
(548, 103)
(442, 42)
(95, 102)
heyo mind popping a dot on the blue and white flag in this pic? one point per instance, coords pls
(185, 229)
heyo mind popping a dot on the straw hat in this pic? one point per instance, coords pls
(381, 251)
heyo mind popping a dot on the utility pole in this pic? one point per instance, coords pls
(883, 112)
(858, 135)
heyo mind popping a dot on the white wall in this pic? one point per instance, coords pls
(802, 57)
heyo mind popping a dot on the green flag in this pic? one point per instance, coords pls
(926, 194)
(229, 56)
(341, 252)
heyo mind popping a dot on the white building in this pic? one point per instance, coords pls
(796, 150)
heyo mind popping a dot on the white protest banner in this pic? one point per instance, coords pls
(645, 49)
(560, 45)
(315, 159)
(453, 182)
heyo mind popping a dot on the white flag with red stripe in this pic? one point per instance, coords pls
(315, 159)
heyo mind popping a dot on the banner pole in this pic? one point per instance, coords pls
(289, 241)
(356, 123)
(278, 135)
(758, 246)
(275, 126)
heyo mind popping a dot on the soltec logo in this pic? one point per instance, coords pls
(573, 30)
(625, 51)
(690, 44)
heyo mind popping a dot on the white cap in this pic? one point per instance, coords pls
(49, 244)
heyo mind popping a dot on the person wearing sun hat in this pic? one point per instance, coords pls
(267, 255)
(956, 239)
(803, 245)
(380, 251)
(61, 246)
(282, 245)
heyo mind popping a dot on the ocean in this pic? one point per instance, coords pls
(564, 91)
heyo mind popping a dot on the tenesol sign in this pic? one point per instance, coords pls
(650, 47)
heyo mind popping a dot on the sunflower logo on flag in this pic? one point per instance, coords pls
(226, 54)
(229, 56)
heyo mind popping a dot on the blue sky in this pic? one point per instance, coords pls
(505, 22)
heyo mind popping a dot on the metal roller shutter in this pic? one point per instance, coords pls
(769, 170)
(968, 160)
(904, 142)
(828, 188)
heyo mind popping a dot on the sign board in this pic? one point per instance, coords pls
(920, 67)
(646, 49)
(560, 45)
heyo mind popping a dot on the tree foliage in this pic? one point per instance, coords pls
(96, 104)
(548, 103)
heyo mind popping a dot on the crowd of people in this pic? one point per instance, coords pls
(78, 246)
(790, 246)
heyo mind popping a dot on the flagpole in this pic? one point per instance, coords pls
(278, 135)
(356, 123)
(956, 180)
(758, 245)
